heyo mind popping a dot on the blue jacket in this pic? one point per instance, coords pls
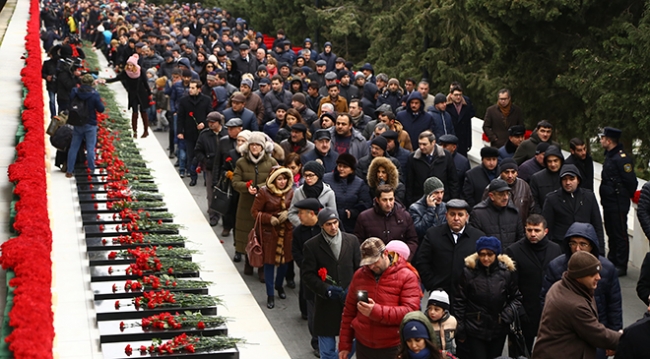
(175, 92)
(93, 101)
(413, 123)
(607, 294)
(247, 116)
(329, 160)
(425, 217)
(352, 194)
(442, 124)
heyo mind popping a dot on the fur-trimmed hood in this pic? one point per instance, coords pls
(504, 261)
(274, 175)
(391, 170)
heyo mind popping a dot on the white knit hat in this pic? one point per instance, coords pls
(439, 298)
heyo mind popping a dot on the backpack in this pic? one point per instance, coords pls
(78, 112)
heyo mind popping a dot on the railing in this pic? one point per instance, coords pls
(639, 244)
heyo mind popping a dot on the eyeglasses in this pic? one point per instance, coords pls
(583, 245)
(309, 175)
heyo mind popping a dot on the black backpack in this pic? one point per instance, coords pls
(78, 112)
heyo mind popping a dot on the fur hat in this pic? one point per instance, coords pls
(489, 152)
(490, 243)
(258, 138)
(439, 298)
(583, 264)
(433, 184)
(315, 167)
(347, 159)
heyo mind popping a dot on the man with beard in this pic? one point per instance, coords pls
(542, 133)
(348, 91)
(520, 196)
(275, 97)
(462, 112)
(322, 152)
(500, 117)
(253, 102)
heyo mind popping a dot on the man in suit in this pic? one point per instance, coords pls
(329, 262)
(440, 258)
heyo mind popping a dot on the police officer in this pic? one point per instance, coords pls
(617, 187)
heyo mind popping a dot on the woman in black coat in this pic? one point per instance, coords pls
(135, 83)
(487, 301)
(352, 194)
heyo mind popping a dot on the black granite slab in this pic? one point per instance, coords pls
(103, 197)
(106, 310)
(98, 258)
(114, 218)
(100, 274)
(104, 290)
(109, 331)
(100, 180)
(116, 351)
(94, 208)
(114, 231)
(97, 244)
(86, 188)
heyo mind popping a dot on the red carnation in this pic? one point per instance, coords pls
(112, 255)
(637, 196)
(322, 273)
(143, 349)
(228, 159)
(200, 325)
(117, 304)
(249, 183)
(121, 326)
(191, 114)
(128, 350)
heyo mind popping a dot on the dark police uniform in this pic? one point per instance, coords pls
(617, 187)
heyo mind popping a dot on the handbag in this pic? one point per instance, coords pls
(221, 200)
(518, 336)
(56, 122)
(254, 248)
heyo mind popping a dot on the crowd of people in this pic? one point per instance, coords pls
(362, 181)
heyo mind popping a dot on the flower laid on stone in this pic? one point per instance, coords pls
(190, 344)
(186, 320)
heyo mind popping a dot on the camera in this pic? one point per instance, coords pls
(362, 296)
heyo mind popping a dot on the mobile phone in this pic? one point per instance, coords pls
(362, 296)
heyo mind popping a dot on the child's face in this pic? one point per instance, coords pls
(149, 75)
(416, 344)
(435, 313)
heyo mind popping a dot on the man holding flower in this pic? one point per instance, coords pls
(193, 110)
(330, 260)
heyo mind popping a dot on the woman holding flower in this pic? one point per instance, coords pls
(271, 204)
(251, 172)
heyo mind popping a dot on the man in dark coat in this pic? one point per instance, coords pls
(479, 177)
(572, 203)
(581, 237)
(548, 179)
(387, 220)
(633, 343)
(570, 325)
(500, 117)
(238, 110)
(643, 285)
(535, 164)
(193, 110)
(322, 151)
(414, 117)
(275, 97)
(497, 216)
(430, 160)
(617, 187)
(205, 154)
(581, 158)
(339, 254)
(520, 195)
(515, 138)
(531, 255)
(440, 258)
(450, 143)
(227, 144)
(307, 229)
(462, 112)
(297, 141)
(542, 133)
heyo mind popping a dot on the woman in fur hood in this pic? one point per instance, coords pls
(487, 302)
(383, 171)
